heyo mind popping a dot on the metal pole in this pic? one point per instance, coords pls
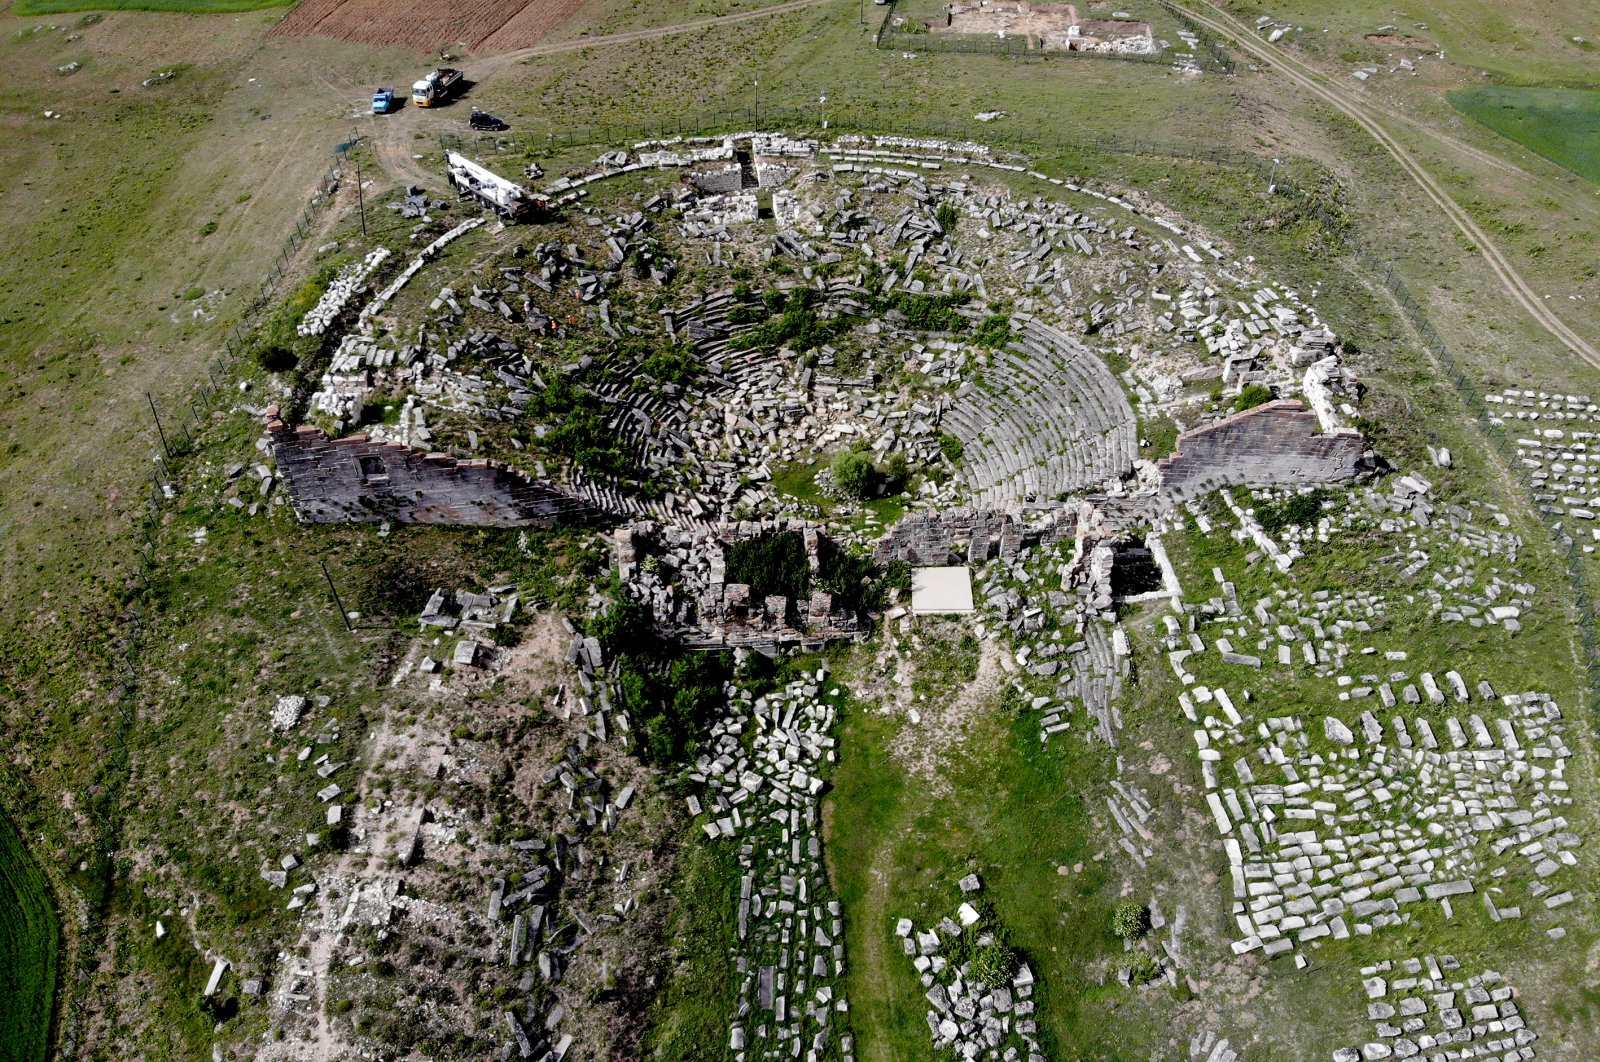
(361, 197)
(757, 122)
(159, 431)
(337, 603)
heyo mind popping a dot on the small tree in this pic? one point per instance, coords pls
(853, 473)
(898, 470)
(1130, 921)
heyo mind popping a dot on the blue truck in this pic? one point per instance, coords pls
(383, 101)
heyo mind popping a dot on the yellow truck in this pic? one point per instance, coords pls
(437, 87)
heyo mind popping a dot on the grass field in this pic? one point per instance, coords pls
(193, 7)
(1013, 812)
(1562, 125)
(29, 945)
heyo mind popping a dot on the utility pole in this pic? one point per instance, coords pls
(361, 197)
(336, 602)
(758, 103)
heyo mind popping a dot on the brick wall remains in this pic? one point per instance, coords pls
(359, 480)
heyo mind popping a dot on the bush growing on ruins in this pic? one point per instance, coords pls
(853, 473)
(792, 322)
(389, 584)
(946, 216)
(1130, 921)
(743, 314)
(771, 564)
(1300, 510)
(993, 963)
(576, 428)
(852, 579)
(672, 365)
(1252, 396)
(897, 470)
(928, 313)
(1142, 970)
(994, 332)
(951, 447)
(274, 357)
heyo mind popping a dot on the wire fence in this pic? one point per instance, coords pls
(176, 431)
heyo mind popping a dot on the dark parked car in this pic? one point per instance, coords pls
(487, 123)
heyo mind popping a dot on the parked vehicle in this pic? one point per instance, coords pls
(484, 122)
(506, 198)
(437, 87)
(383, 101)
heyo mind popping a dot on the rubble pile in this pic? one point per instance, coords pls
(757, 789)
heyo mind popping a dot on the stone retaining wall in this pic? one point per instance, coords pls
(1276, 444)
(358, 480)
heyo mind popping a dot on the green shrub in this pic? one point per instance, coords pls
(928, 313)
(673, 365)
(1252, 396)
(853, 579)
(946, 216)
(576, 428)
(1130, 920)
(994, 331)
(790, 321)
(898, 470)
(275, 357)
(993, 963)
(771, 564)
(1301, 510)
(951, 447)
(853, 473)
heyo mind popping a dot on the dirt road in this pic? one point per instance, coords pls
(1314, 82)
(393, 141)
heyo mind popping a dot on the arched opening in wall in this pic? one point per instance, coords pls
(1133, 568)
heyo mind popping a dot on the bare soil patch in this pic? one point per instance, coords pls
(479, 25)
(942, 724)
(1395, 40)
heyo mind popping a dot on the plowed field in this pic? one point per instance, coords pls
(427, 25)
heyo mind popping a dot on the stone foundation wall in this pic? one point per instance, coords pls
(1276, 444)
(358, 480)
(967, 536)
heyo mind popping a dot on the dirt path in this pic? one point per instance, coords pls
(922, 746)
(1314, 82)
(393, 138)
